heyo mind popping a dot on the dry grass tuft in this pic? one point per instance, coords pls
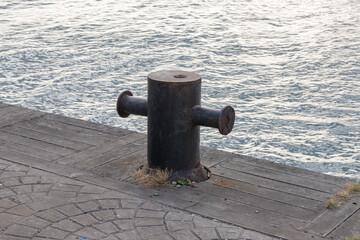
(352, 187)
(148, 177)
(353, 238)
(342, 196)
(332, 203)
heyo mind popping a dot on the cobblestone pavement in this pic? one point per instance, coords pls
(36, 204)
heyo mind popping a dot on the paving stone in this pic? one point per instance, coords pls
(110, 238)
(51, 215)
(21, 231)
(22, 199)
(5, 192)
(67, 225)
(109, 194)
(179, 225)
(109, 203)
(71, 237)
(201, 222)
(5, 174)
(149, 221)
(93, 196)
(125, 213)
(105, 215)
(11, 181)
(150, 230)
(154, 206)
(251, 235)
(7, 237)
(6, 219)
(50, 232)
(2, 209)
(90, 232)
(23, 189)
(31, 179)
(35, 222)
(124, 224)
(61, 194)
(206, 233)
(4, 164)
(41, 202)
(164, 236)
(40, 238)
(49, 178)
(106, 227)
(130, 234)
(67, 187)
(184, 235)
(42, 187)
(177, 215)
(92, 189)
(21, 210)
(7, 203)
(16, 168)
(85, 219)
(88, 206)
(229, 233)
(130, 203)
(150, 213)
(69, 210)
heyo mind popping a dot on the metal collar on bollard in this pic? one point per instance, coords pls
(174, 118)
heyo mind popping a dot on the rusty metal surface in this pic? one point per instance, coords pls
(226, 120)
(197, 174)
(221, 119)
(127, 104)
(174, 76)
(173, 140)
(174, 118)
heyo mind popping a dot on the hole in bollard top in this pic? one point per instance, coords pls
(174, 76)
(180, 76)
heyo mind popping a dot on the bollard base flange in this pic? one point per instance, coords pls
(198, 174)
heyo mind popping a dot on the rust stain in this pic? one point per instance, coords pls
(133, 161)
(222, 182)
(128, 162)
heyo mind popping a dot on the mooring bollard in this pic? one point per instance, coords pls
(174, 118)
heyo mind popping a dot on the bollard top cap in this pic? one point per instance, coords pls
(226, 120)
(174, 76)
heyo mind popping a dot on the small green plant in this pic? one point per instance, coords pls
(184, 182)
(343, 195)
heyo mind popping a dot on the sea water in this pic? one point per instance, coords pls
(290, 68)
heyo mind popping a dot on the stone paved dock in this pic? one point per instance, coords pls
(63, 178)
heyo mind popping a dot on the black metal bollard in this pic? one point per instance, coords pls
(174, 118)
